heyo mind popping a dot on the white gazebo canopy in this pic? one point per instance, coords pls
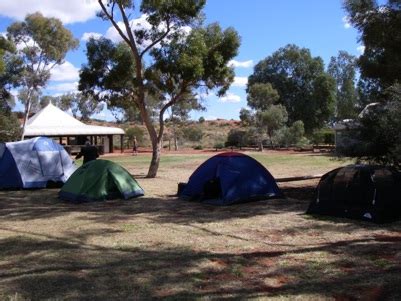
(51, 121)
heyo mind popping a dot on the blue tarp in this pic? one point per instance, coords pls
(235, 177)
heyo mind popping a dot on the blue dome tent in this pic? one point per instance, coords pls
(229, 178)
(33, 163)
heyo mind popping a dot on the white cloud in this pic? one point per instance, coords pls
(346, 22)
(240, 81)
(64, 87)
(87, 35)
(136, 24)
(70, 11)
(361, 49)
(139, 23)
(64, 72)
(210, 117)
(238, 64)
(230, 97)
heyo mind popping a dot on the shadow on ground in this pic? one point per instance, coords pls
(36, 265)
(37, 269)
(25, 205)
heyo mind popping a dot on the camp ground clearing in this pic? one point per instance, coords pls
(160, 247)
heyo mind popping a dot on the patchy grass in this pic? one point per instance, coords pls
(160, 247)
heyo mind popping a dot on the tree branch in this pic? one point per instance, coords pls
(111, 18)
(157, 40)
(134, 48)
(172, 101)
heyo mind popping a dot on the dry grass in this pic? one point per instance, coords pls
(159, 247)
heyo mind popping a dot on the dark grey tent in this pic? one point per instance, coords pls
(359, 191)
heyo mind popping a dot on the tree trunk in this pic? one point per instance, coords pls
(175, 142)
(271, 141)
(27, 109)
(154, 163)
(261, 145)
(155, 140)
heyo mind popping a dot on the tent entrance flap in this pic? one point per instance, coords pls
(212, 189)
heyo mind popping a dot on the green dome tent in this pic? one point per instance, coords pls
(99, 180)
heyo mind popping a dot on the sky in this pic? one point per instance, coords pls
(263, 25)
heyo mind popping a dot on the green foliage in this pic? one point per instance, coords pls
(246, 117)
(41, 44)
(343, 69)
(10, 129)
(236, 138)
(201, 119)
(291, 136)
(378, 136)
(218, 145)
(379, 24)
(136, 132)
(179, 62)
(25, 95)
(9, 70)
(261, 96)
(198, 147)
(273, 119)
(304, 88)
(110, 69)
(192, 133)
(323, 136)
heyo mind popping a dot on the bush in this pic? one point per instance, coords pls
(236, 138)
(323, 136)
(192, 133)
(378, 137)
(293, 135)
(137, 132)
(10, 129)
(198, 147)
(201, 119)
(218, 145)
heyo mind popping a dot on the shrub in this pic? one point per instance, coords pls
(235, 138)
(323, 136)
(378, 137)
(137, 132)
(293, 135)
(10, 129)
(218, 145)
(192, 133)
(198, 147)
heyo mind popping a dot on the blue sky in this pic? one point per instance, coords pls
(264, 27)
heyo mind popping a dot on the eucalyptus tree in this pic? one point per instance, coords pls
(173, 56)
(303, 86)
(42, 43)
(343, 69)
(379, 25)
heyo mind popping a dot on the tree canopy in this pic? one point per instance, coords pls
(161, 64)
(343, 69)
(379, 24)
(261, 96)
(42, 44)
(304, 88)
